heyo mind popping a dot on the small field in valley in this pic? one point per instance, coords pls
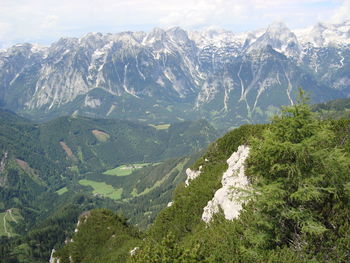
(126, 169)
(160, 126)
(103, 189)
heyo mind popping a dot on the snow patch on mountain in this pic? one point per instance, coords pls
(230, 196)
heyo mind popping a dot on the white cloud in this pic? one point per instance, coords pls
(4, 28)
(46, 20)
(49, 22)
(342, 13)
(201, 13)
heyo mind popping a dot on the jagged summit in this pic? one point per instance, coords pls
(280, 38)
(176, 74)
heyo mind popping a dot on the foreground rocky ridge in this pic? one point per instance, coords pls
(174, 74)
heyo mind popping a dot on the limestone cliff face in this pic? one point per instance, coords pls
(230, 196)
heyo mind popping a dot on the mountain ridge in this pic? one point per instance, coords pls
(175, 74)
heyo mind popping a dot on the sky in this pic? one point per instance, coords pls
(45, 21)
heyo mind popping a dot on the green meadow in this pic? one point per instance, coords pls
(160, 126)
(103, 189)
(126, 169)
(62, 191)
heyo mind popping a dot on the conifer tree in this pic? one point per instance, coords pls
(300, 177)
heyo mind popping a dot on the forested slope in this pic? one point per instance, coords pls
(43, 168)
(294, 210)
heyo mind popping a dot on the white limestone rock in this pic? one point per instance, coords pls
(52, 258)
(230, 196)
(133, 251)
(192, 175)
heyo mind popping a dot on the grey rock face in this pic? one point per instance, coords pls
(167, 75)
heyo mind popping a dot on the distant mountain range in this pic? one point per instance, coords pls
(169, 75)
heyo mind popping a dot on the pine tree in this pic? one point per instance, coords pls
(300, 178)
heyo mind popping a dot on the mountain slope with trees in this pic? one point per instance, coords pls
(296, 210)
(42, 165)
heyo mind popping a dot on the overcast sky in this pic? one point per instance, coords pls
(44, 21)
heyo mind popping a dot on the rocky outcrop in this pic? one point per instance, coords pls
(53, 259)
(232, 194)
(82, 219)
(133, 251)
(191, 175)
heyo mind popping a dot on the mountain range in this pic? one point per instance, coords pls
(168, 75)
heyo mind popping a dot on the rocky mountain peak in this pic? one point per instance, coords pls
(156, 35)
(278, 28)
(280, 38)
(177, 33)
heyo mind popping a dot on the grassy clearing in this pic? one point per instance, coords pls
(101, 188)
(160, 126)
(125, 170)
(134, 192)
(74, 169)
(62, 191)
(3, 232)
